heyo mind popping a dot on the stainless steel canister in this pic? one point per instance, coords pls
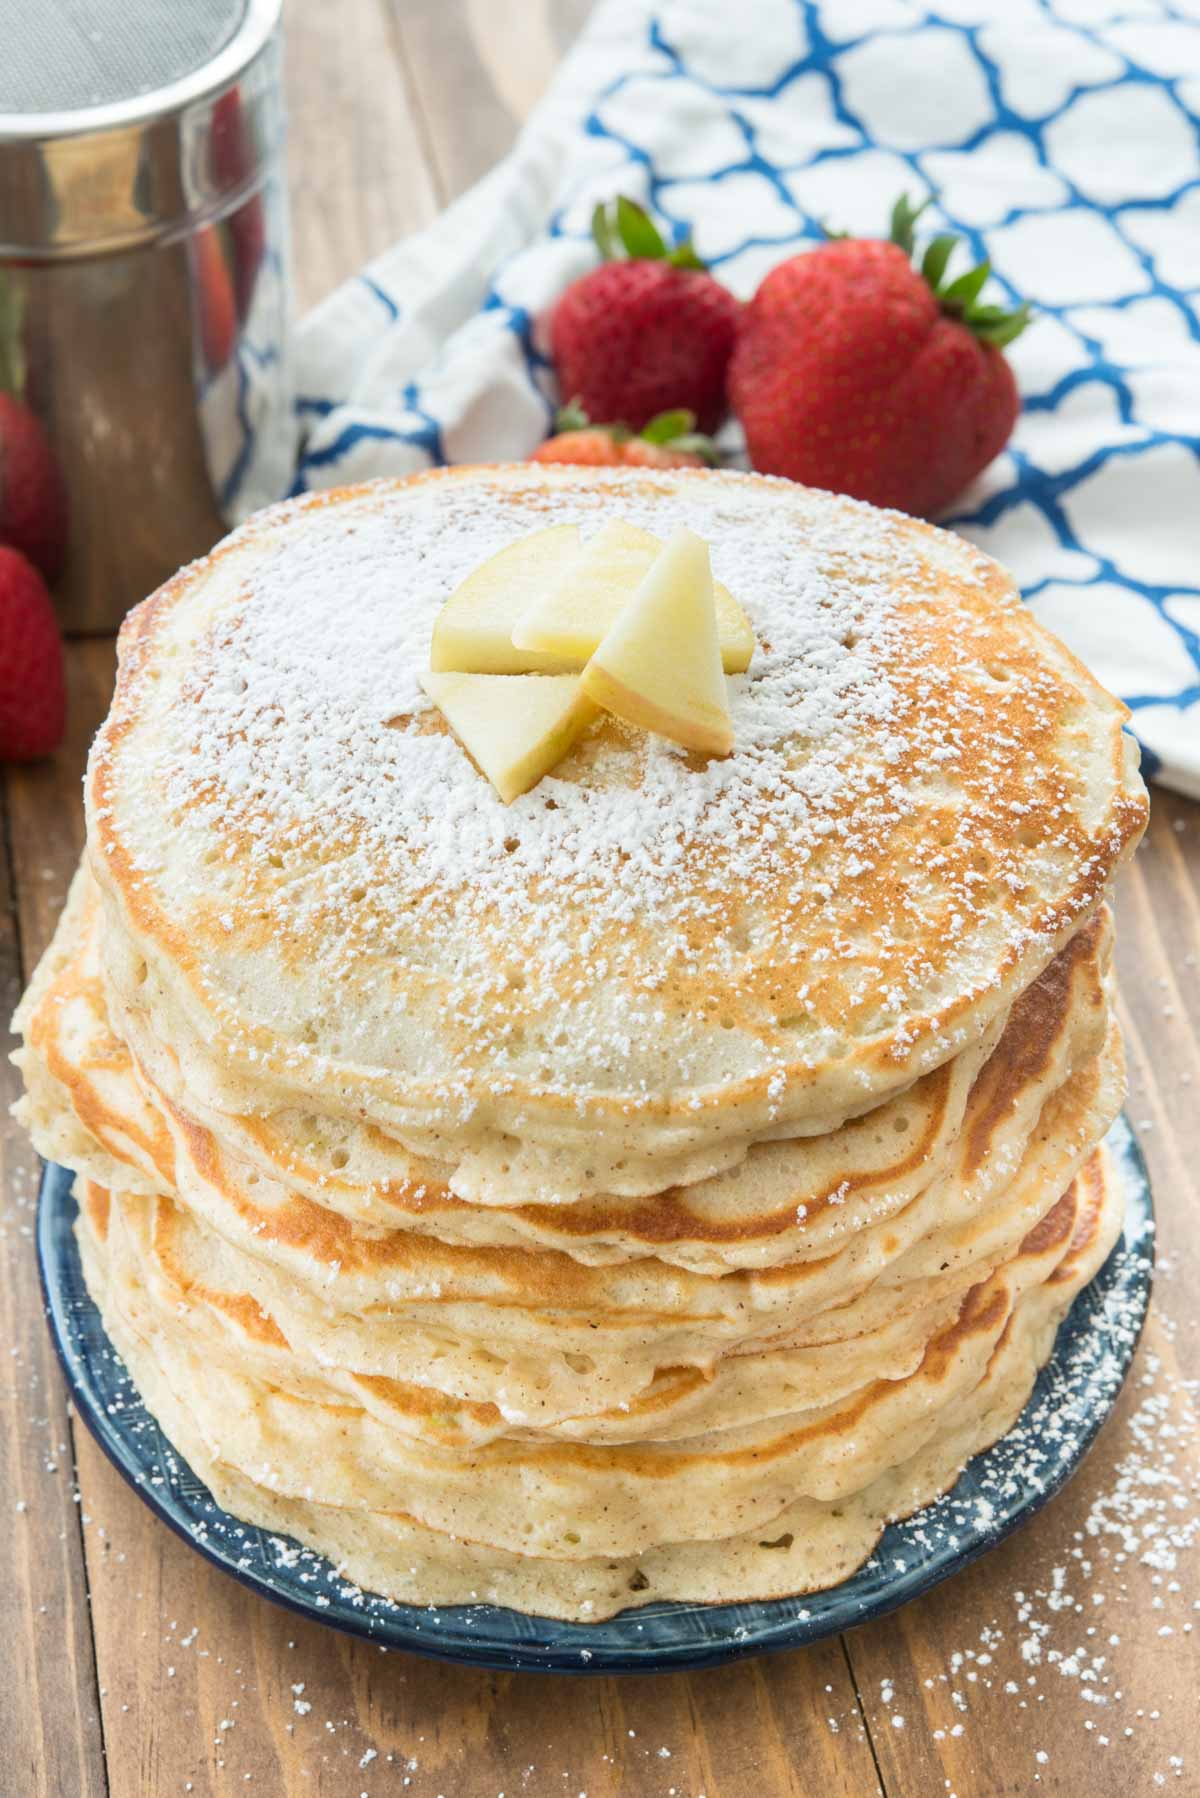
(144, 269)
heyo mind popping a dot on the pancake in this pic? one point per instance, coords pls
(316, 1265)
(644, 1190)
(650, 962)
(203, 1296)
(787, 1200)
(578, 1499)
(812, 1541)
(539, 1337)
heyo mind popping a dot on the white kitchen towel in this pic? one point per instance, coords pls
(1060, 139)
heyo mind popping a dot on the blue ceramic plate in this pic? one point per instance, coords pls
(998, 1490)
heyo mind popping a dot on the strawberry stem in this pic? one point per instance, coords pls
(622, 228)
(1002, 327)
(571, 417)
(959, 298)
(602, 233)
(963, 293)
(933, 263)
(638, 232)
(904, 217)
(666, 425)
(673, 430)
(677, 431)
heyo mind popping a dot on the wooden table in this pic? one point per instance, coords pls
(136, 1669)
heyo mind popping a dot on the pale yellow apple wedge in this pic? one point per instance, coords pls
(569, 615)
(473, 632)
(659, 664)
(515, 727)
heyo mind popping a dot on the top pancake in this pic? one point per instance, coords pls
(313, 896)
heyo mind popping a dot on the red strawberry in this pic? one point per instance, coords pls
(33, 697)
(595, 446)
(637, 453)
(857, 372)
(668, 441)
(648, 330)
(33, 500)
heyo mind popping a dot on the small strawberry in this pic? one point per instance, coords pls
(595, 446)
(638, 452)
(648, 330)
(668, 441)
(33, 697)
(33, 499)
(857, 372)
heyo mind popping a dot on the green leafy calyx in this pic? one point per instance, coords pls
(677, 431)
(959, 298)
(572, 417)
(622, 229)
(672, 430)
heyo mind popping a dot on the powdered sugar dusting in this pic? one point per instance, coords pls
(309, 705)
(895, 833)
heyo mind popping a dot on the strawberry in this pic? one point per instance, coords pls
(638, 453)
(648, 330)
(857, 372)
(33, 698)
(33, 499)
(595, 446)
(668, 441)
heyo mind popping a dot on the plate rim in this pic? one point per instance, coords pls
(787, 1623)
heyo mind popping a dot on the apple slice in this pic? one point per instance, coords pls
(473, 632)
(570, 615)
(659, 664)
(515, 727)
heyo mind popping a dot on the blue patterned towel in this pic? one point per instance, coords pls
(1061, 137)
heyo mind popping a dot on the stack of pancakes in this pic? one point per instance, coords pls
(645, 1190)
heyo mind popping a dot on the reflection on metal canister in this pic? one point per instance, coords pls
(143, 256)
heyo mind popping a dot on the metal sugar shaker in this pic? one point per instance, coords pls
(144, 275)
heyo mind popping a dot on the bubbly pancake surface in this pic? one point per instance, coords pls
(312, 894)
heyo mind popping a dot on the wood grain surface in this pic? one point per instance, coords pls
(1063, 1663)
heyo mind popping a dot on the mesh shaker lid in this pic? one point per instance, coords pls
(115, 117)
(72, 55)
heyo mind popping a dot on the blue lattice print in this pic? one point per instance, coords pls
(1061, 140)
